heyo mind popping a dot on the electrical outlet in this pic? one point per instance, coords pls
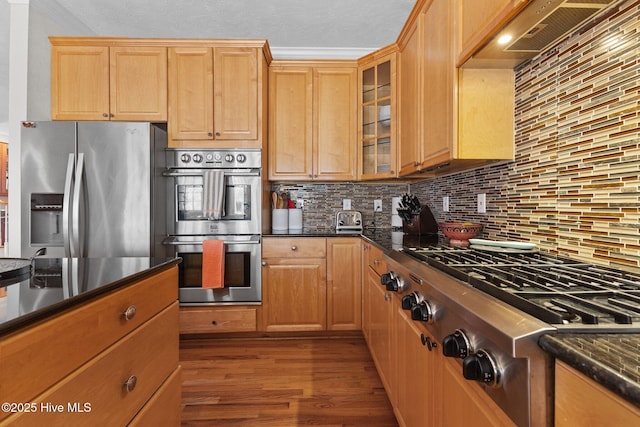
(482, 203)
(377, 205)
(445, 204)
(299, 203)
(346, 204)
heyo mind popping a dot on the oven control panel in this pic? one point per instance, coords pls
(214, 158)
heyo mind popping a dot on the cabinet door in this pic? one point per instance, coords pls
(410, 81)
(294, 294)
(464, 402)
(580, 401)
(380, 332)
(417, 384)
(438, 85)
(290, 123)
(235, 93)
(344, 285)
(190, 94)
(334, 123)
(479, 18)
(79, 83)
(138, 83)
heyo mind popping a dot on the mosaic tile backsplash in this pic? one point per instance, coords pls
(574, 187)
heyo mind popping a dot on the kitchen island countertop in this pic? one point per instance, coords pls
(58, 284)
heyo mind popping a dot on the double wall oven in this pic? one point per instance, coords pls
(237, 189)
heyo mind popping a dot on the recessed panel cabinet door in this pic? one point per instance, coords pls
(138, 83)
(290, 123)
(79, 83)
(335, 127)
(236, 93)
(190, 94)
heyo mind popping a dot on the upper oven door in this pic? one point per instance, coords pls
(242, 203)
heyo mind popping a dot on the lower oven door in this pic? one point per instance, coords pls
(242, 271)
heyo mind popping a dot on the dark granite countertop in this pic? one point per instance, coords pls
(386, 238)
(612, 360)
(57, 284)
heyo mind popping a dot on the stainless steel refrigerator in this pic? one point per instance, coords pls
(93, 189)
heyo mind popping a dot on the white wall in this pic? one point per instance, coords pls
(4, 70)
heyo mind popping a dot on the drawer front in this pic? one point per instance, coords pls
(150, 354)
(303, 247)
(376, 261)
(218, 319)
(164, 408)
(57, 347)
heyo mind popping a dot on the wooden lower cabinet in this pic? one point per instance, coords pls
(344, 289)
(580, 401)
(381, 330)
(464, 403)
(418, 375)
(169, 395)
(99, 366)
(311, 284)
(213, 319)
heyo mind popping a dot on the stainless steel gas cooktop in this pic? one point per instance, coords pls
(566, 293)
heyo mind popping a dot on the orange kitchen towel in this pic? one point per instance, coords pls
(213, 264)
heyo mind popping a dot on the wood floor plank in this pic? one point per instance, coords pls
(267, 382)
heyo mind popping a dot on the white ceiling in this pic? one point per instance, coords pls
(316, 24)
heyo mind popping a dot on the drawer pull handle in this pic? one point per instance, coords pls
(294, 248)
(213, 322)
(130, 312)
(131, 383)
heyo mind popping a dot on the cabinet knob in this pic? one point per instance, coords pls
(130, 312)
(310, 175)
(264, 263)
(375, 261)
(209, 134)
(387, 297)
(105, 115)
(294, 248)
(217, 133)
(130, 384)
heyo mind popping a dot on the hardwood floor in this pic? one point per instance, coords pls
(282, 382)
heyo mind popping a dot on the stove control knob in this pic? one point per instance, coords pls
(241, 158)
(481, 367)
(217, 157)
(456, 345)
(390, 281)
(408, 301)
(185, 158)
(197, 158)
(228, 158)
(386, 278)
(422, 311)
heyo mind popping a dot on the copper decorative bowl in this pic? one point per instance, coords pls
(459, 233)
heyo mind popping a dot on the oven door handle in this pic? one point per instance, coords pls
(174, 173)
(172, 241)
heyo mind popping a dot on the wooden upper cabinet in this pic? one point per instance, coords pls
(215, 97)
(410, 133)
(138, 83)
(190, 92)
(377, 113)
(334, 117)
(108, 83)
(290, 122)
(312, 122)
(451, 118)
(80, 83)
(235, 93)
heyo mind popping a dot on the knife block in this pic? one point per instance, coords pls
(421, 224)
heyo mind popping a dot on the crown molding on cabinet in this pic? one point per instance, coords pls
(319, 52)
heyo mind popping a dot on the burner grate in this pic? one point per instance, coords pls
(554, 289)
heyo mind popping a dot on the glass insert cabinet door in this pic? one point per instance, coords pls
(378, 118)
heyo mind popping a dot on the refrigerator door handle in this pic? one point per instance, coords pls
(69, 183)
(79, 209)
